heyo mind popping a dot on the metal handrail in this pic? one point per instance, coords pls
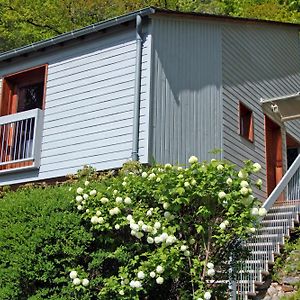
(33, 113)
(282, 184)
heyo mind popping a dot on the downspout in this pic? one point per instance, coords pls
(137, 90)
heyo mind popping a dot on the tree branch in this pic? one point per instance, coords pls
(29, 21)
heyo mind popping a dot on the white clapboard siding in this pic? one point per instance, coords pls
(88, 117)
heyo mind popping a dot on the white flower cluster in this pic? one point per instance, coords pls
(135, 284)
(139, 229)
(97, 220)
(256, 167)
(159, 270)
(229, 181)
(222, 195)
(211, 270)
(76, 281)
(207, 296)
(255, 211)
(245, 189)
(141, 276)
(193, 159)
(258, 182)
(184, 249)
(81, 197)
(104, 200)
(243, 174)
(220, 167)
(251, 229)
(224, 224)
(114, 211)
(151, 176)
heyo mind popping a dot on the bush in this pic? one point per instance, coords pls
(159, 233)
(41, 239)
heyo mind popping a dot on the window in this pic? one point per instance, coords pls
(20, 108)
(23, 91)
(246, 122)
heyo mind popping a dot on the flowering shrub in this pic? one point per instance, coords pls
(147, 233)
(167, 231)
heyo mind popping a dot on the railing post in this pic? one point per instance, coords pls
(232, 280)
(37, 139)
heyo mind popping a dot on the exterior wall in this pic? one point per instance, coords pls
(186, 90)
(89, 105)
(259, 61)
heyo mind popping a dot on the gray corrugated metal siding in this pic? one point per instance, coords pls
(186, 90)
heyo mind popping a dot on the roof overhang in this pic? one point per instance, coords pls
(287, 107)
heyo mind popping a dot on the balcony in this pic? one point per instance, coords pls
(20, 141)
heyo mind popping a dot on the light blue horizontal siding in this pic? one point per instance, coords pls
(89, 107)
(186, 93)
(259, 61)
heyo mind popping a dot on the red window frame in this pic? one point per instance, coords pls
(11, 91)
(246, 122)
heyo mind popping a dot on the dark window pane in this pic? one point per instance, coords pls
(31, 97)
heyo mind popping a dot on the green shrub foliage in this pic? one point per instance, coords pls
(164, 232)
(41, 238)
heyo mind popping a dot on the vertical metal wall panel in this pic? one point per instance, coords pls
(259, 61)
(186, 90)
(89, 105)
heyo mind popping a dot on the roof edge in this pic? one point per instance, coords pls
(223, 17)
(123, 19)
(75, 34)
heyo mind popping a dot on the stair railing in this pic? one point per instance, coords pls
(282, 184)
(245, 285)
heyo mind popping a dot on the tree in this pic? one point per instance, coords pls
(25, 21)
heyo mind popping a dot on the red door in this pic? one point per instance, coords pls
(273, 140)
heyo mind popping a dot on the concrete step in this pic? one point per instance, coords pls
(253, 264)
(264, 246)
(280, 223)
(256, 275)
(245, 287)
(267, 256)
(282, 215)
(284, 208)
(285, 231)
(272, 238)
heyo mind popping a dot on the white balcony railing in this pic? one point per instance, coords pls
(20, 140)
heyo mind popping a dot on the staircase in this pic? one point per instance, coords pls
(277, 225)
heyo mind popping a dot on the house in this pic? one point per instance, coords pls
(150, 85)
(154, 85)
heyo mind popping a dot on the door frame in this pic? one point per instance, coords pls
(274, 157)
